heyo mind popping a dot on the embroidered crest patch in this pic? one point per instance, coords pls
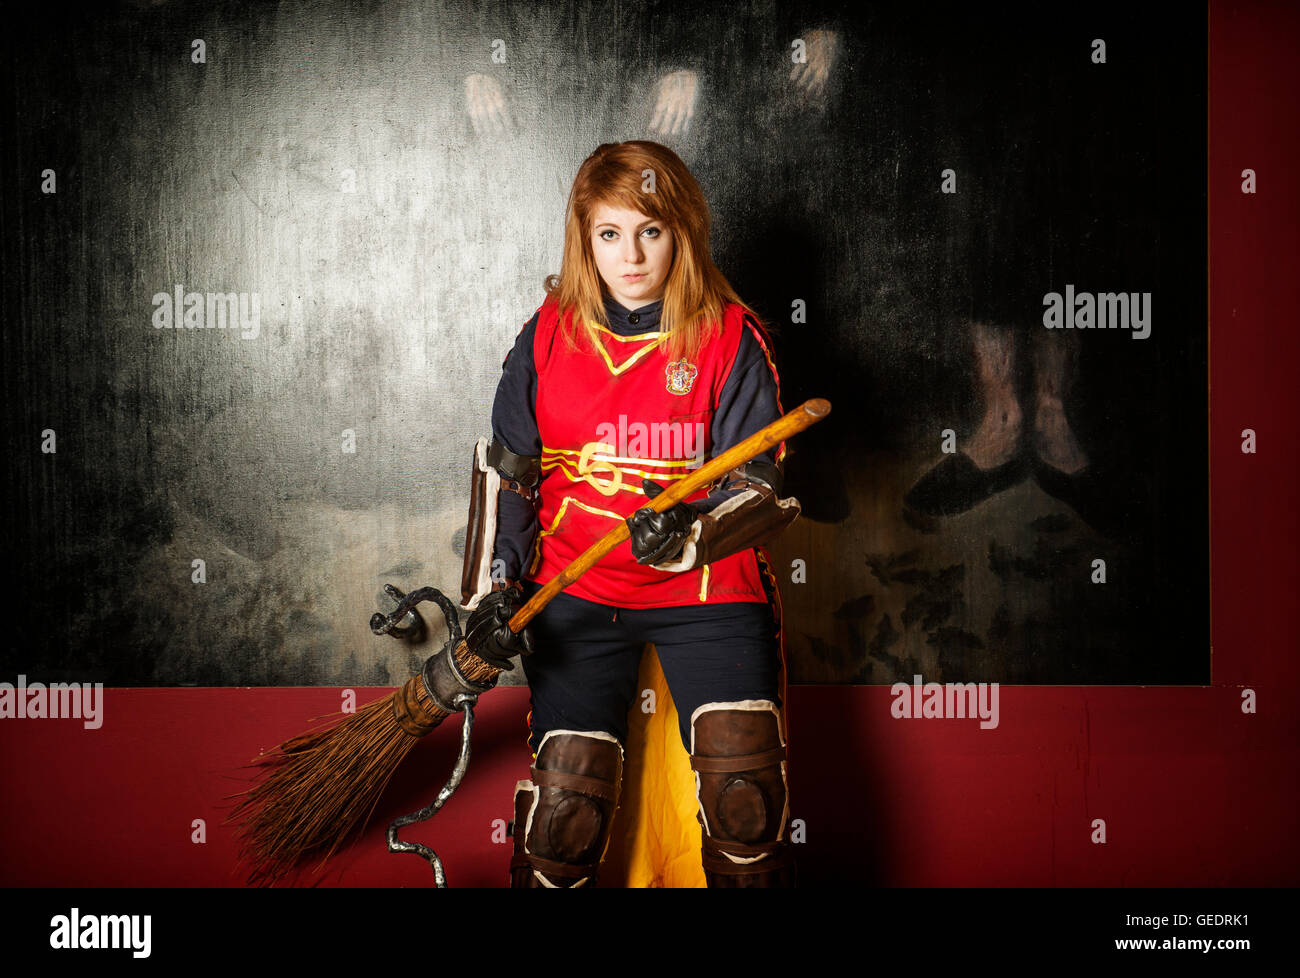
(681, 376)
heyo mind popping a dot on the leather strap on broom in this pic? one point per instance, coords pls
(314, 789)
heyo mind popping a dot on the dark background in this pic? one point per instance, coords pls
(387, 311)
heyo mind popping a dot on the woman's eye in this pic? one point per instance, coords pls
(653, 232)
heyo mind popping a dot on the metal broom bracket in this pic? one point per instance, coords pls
(395, 844)
(391, 624)
(404, 621)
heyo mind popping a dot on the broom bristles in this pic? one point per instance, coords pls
(317, 787)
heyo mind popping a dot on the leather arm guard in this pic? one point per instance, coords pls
(496, 470)
(753, 516)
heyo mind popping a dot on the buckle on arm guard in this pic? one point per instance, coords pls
(495, 468)
(756, 470)
(755, 515)
(524, 469)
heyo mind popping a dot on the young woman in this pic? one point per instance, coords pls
(641, 362)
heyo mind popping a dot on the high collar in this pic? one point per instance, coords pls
(644, 319)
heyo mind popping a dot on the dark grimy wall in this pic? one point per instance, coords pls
(387, 182)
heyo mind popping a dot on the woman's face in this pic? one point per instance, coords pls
(633, 253)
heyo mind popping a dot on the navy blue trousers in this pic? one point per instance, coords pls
(583, 674)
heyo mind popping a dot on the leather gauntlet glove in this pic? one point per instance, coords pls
(488, 634)
(655, 536)
(749, 518)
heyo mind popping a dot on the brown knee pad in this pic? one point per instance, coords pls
(564, 814)
(739, 759)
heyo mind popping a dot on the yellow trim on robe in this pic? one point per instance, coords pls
(631, 361)
(559, 515)
(660, 477)
(625, 339)
(598, 457)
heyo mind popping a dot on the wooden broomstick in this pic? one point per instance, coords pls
(314, 789)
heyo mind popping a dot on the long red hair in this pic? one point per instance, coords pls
(643, 176)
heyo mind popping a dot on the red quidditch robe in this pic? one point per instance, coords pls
(588, 401)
